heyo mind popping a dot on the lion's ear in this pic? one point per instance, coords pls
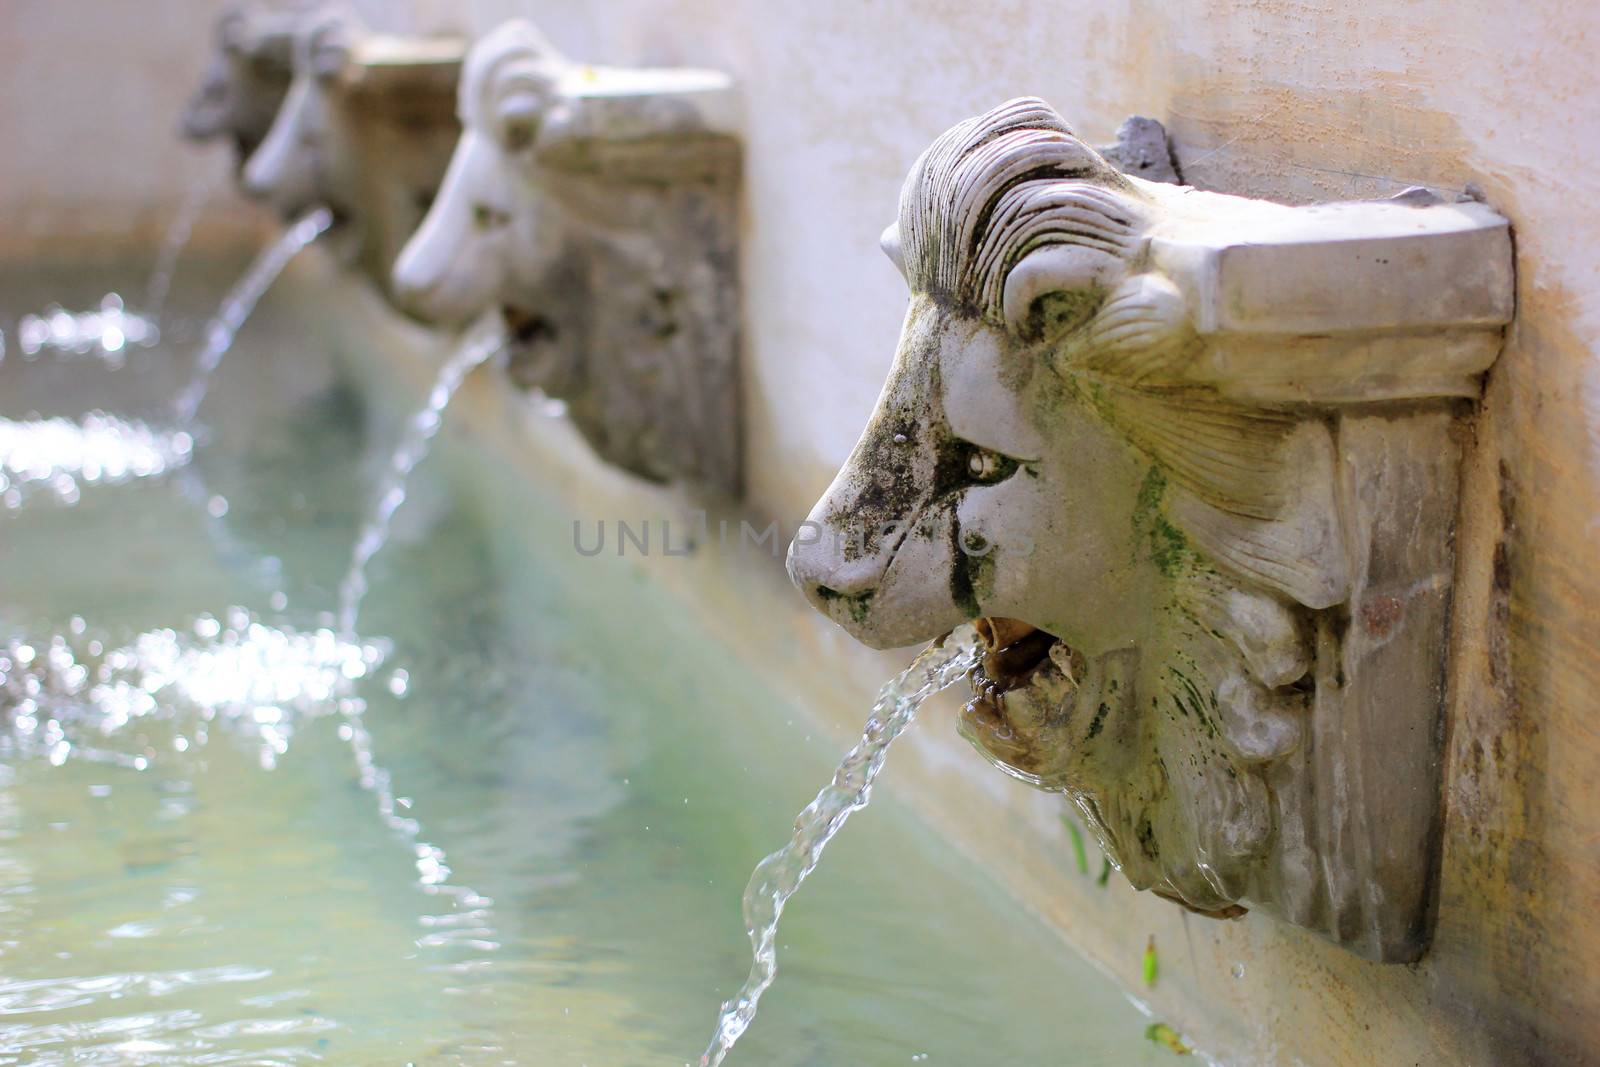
(1057, 288)
(1252, 488)
(519, 116)
(890, 243)
(1141, 334)
(233, 35)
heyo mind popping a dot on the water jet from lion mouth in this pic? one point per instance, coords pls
(779, 876)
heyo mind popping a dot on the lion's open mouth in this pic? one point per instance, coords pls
(526, 327)
(1015, 655)
(534, 359)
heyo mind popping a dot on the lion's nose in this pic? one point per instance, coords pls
(412, 282)
(831, 602)
(827, 581)
(259, 178)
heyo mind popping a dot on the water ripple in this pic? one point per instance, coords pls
(58, 994)
(105, 332)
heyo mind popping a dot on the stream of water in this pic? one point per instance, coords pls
(173, 243)
(778, 877)
(413, 449)
(241, 300)
(432, 869)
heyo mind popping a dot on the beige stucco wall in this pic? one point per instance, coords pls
(91, 92)
(1301, 99)
(1297, 99)
(90, 96)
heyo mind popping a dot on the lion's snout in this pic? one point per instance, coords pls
(454, 267)
(835, 586)
(888, 585)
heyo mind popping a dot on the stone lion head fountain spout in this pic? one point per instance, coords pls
(596, 210)
(489, 237)
(364, 123)
(1190, 459)
(302, 161)
(246, 80)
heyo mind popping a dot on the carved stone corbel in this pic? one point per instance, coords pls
(394, 107)
(597, 209)
(1192, 459)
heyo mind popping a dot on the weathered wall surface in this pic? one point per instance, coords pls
(1293, 99)
(91, 92)
(1297, 99)
(90, 97)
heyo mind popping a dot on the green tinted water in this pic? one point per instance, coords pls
(600, 781)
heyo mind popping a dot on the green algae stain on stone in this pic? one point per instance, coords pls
(1099, 721)
(1168, 547)
(858, 606)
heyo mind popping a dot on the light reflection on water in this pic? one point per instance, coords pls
(60, 456)
(106, 332)
(166, 691)
(75, 695)
(157, 706)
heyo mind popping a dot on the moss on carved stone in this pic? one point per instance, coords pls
(858, 606)
(1099, 721)
(1168, 547)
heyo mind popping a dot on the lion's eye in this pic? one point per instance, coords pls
(518, 134)
(485, 217)
(1053, 314)
(988, 467)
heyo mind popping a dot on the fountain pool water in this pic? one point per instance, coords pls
(62, 455)
(600, 776)
(105, 333)
(76, 695)
(109, 330)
